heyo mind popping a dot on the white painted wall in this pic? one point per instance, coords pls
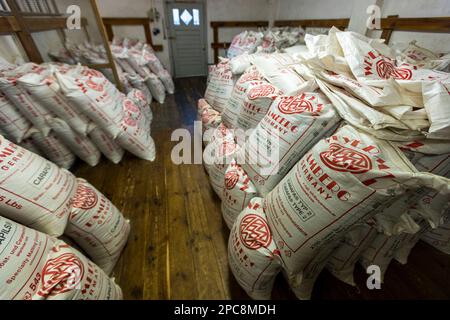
(315, 9)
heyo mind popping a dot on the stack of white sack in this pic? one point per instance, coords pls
(70, 111)
(137, 65)
(390, 157)
(49, 199)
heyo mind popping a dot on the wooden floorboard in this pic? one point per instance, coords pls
(178, 243)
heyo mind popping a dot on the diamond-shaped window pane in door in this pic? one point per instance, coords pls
(186, 17)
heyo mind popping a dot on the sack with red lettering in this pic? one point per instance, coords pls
(288, 130)
(235, 103)
(366, 118)
(423, 58)
(252, 253)
(97, 226)
(156, 87)
(436, 98)
(220, 86)
(238, 191)
(140, 100)
(54, 150)
(31, 109)
(344, 258)
(257, 101)
(140, 84)
(210, 118)
(244, 42)
(69, 275)
(202, 105)
(93, 94)
(35, 191)
(340, 181)
(370, 65)
(108, 146)
(12, 122)
(217, 156)
(80, 145)
(135, 135)
(44, 88)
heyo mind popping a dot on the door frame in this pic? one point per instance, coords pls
(168, 29)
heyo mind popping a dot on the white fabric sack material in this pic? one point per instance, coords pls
(290, 128)
(258, 98)
(12, 122)
(35, 191)
(409, 241)
(219, 133)
(167, 81)
(372, 67)
(238, 192)
(54, 150)
(108, 146)
(391, 95)
(29, 107)
(326, 52)
(97, 226)
(31, 146)
(252, 253)
(343, 260)
(156, 87)
(423, 58)
(210, 118)
(244, 42)
(436, 98)
(218, 155)
(235, 102)
(240, 64)
(135, 135)
(302, 284)
(340, 181)
(202, 105)
(142, 101)
(95, 96)
(381, 252)
(439, 238)
(80, 145)
(366, 118)
(57, 271)
(140, 84)
(45, 89)
(220, 86)
(278, 69)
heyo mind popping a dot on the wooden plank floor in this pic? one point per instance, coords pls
(177, 246)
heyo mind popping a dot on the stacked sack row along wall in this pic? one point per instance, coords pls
(63, 112)
(59, 111)
(137, 65)
(362, 134)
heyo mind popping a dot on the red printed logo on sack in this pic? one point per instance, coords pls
(254, 232)
(261, 91)
(291, 105)
(140, 95)
(130, 106)
(385, 67)
(61, 274)
(343, 159)
(231, 179)
(226, 148)
(85, 198)
(94, 86)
